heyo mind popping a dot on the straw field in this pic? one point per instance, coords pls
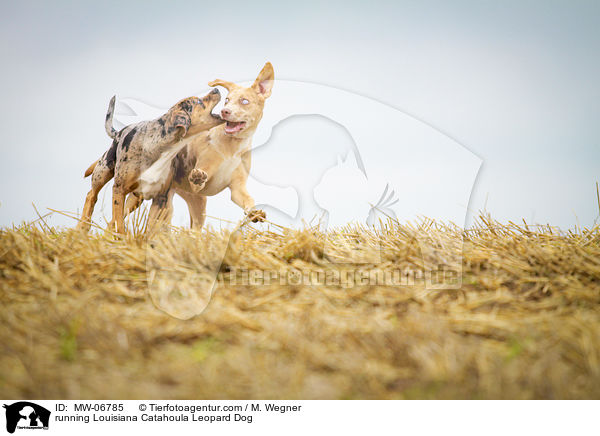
(79, 317)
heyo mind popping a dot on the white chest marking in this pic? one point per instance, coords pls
(154, 177)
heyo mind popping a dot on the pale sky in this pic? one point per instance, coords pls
(515, 83)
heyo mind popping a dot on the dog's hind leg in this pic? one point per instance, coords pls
(100, 177)
(132, 203)
(161, 211)
(118, 205)
(90, 201)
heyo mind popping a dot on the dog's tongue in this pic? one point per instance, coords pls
(233, 127)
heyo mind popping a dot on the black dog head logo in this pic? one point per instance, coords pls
(27, 415)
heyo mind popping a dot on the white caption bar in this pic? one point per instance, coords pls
(251, 417)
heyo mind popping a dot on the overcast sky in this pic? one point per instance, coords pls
(514, 82)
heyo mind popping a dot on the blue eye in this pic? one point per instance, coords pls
(244, 101)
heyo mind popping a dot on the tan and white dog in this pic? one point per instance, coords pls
(220, 158)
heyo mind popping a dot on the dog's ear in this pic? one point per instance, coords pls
(224, 83)
(179, 119)
(264, 82)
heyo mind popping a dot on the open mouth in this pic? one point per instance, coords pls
(234, 126)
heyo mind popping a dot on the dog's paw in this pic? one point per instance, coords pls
(256, 215)
(197, 179)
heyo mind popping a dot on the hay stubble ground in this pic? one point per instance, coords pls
(77, 320)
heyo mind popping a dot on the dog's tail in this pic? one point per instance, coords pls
(90, 170)
(108, 125)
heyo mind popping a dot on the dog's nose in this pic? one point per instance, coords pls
(215, 91)
(225, 112)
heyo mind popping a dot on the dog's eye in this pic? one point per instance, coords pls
(244, 101)
(226, 100)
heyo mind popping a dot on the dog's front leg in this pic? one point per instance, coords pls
(197, 206)
(197, 179)
(241, 197)
(199, 176)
